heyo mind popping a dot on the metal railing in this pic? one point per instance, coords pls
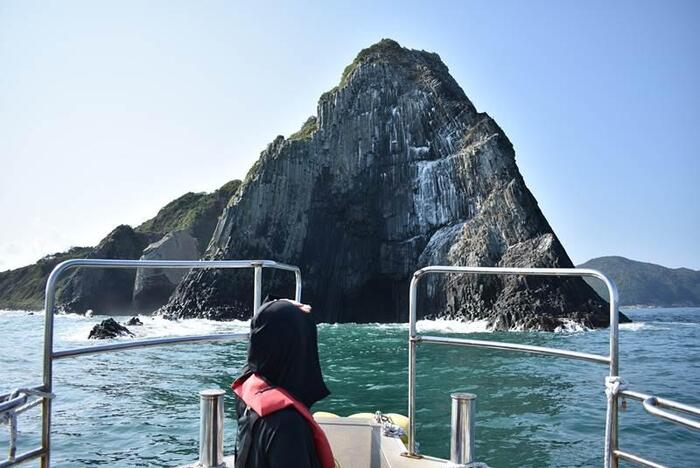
(50, 304)
(651, 404)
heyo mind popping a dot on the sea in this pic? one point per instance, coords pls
(141, 407)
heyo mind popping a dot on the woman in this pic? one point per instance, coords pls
(280, 382)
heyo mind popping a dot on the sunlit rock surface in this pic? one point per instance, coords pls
(153, 286)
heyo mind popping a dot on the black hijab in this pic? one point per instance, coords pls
(284, 350)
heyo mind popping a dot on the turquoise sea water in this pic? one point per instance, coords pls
(140, 408)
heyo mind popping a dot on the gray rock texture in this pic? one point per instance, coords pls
(105, 291)
(153, 286)
(396, 171)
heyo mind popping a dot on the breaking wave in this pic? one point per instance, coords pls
(153, 327)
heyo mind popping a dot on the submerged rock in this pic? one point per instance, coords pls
(396, 171)
(109, 328)
(134, 322)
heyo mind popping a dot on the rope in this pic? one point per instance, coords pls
(613, 386)
(9, 415)
(389, 429)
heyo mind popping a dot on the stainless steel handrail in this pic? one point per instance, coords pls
(611, 360)
(10, 403)
(513, 347)
(26, 456)
(652, 405)
(50, 302)
(68, 353)
(630, 457)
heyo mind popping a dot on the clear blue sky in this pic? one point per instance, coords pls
(108, 110)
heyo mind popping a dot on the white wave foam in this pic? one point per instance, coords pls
(157, 326)
(453, 326)
(637, 326)
(570, 326)
(634, 326)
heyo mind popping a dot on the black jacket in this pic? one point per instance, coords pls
(279, 440)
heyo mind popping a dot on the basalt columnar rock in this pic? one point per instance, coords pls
(396, 171)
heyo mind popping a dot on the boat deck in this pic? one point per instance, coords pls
(360, 443)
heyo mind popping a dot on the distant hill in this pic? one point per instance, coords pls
(186, 221)
(647, 284)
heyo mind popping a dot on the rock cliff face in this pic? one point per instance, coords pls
(153, 286)
(396, 171)
(103, 290)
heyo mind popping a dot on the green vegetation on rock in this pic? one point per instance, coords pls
(306, 130)
(23, 288)
(388, 48)
(196, 212)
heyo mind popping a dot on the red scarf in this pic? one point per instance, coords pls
(265, 399)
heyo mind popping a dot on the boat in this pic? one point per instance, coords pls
(371, 440)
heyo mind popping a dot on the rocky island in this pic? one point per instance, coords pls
(397, 170)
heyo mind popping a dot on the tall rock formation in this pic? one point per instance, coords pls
(396, 171)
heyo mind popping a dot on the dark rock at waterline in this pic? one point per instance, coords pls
(134, 322)
(396, 171)
(109, 328)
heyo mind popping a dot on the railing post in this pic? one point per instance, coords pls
(211, 428)
(462, 436)
(412, 344)
(297, 285)
(257, 292)
(49, 307)
(611, 442)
